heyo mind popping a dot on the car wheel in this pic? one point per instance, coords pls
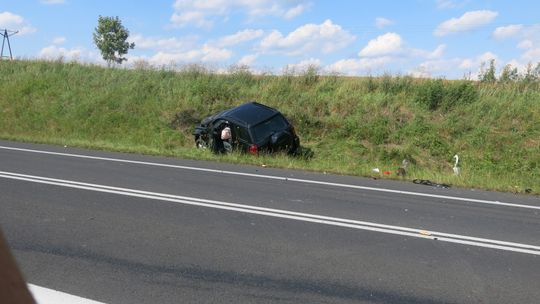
(200, 143)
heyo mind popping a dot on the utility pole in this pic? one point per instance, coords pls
(6, 34)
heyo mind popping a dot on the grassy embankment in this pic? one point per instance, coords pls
(351, 124)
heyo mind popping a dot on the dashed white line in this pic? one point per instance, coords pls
(298, 180)
(286, 214)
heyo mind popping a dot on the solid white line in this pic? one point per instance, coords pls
(305, 181)
(162, 196)
(306, 217)
(44, 295)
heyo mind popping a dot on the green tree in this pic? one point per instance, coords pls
(529, 75)
(488, 75)
(532, 74)
(509, 74)
(110, 38)
(536, 71)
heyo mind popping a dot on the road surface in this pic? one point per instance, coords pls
(121, 228)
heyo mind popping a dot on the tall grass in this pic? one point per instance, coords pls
(352, 124)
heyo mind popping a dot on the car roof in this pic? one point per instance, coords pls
(250, 113)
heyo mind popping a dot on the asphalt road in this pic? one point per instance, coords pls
(122, 228)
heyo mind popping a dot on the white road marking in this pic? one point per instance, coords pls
(279, 213)
(44, 295)
(298, 180)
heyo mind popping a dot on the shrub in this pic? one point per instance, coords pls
(395, 84)
(430, 93)
(436, 145)
(393, 155)
(371, 84)
(459, 93)
(241, 75)
(311, 75)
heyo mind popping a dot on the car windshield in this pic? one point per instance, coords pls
(267, 128)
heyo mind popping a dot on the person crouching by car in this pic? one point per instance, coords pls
(226, 138)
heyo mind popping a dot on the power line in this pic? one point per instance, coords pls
(6, 34)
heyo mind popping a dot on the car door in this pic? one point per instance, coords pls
(215, 134)
(241, 139)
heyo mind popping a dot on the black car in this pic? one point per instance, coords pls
(253, 127)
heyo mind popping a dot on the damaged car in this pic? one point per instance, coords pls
(251, 127)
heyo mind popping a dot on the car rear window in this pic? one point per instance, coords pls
(267, 128)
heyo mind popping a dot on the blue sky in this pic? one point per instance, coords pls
(429, 38)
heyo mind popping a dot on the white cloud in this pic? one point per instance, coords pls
(203, 54)
(532, 33)
(164, 44)
(59, 40)
(212, 54)
(467, 22)
(466, 64)
(525, 44)
(444, 4)
(178, 50)
(521, 66)
(202, 13)
(27, 30)
(248, 60)
(385, 53)
(454, 67)
(15, 22)
(436, 68)
(475, 63)
(53, 1)
(239, 37)
(528, 37)
(438, 52)
(391, 44)
(504, 32)
(487, 56)
(302, 66)
(7, 18)
(387, 44)
(197, 19)
(295, 11)
(517, 64)
(531, 55)
(326, 38)
(54, 52)
(360, 66)
(529, 42)
(451, 4)
(381, 22)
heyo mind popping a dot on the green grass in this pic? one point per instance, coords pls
(352, 124)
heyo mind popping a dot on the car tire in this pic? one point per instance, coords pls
(200, 143)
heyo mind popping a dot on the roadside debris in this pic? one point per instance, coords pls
(401, 171)
(430, 183)
(456, 168)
